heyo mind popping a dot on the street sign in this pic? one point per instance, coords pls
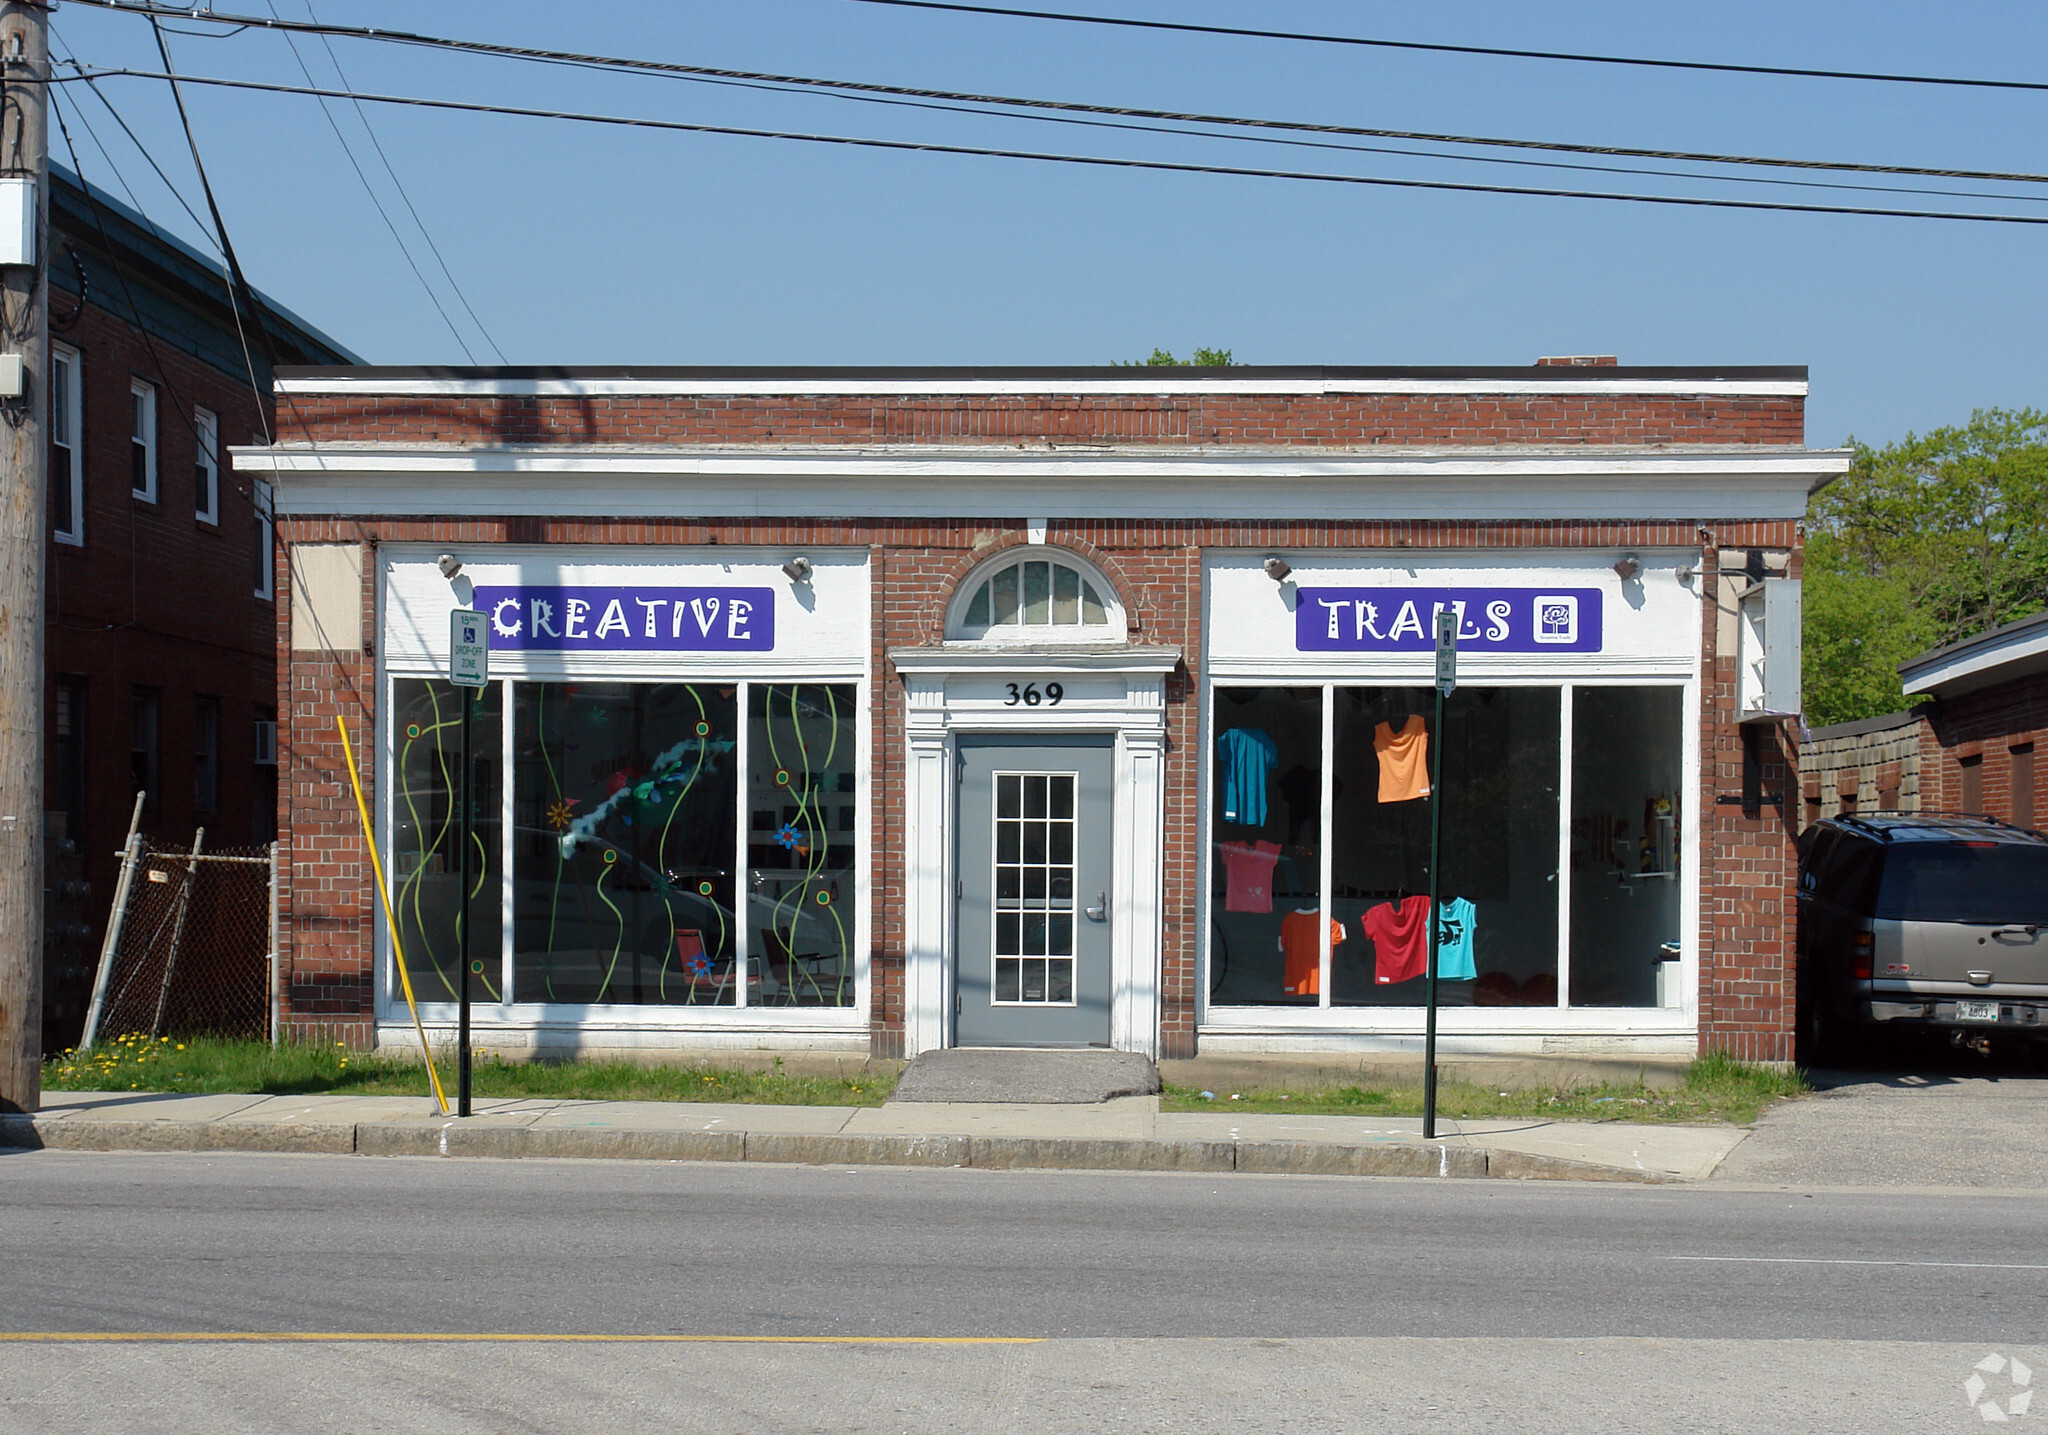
(469, 649)
(1446, 650)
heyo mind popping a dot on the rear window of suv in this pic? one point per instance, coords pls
(1961, 882)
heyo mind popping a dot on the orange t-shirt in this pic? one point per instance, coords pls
(1404, 759)
(1303, 976)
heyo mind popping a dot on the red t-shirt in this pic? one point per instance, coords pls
(1400, 938)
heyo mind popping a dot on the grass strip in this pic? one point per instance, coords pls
(211, 1064)
(1717, 1089)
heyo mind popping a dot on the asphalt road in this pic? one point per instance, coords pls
(1166, 1301)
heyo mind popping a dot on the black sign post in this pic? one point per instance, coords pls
(468, 670)
(1446, 680)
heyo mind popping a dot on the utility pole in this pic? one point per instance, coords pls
(24, 483)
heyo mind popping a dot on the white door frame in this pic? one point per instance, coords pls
(961, 687)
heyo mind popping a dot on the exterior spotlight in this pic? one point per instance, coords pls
(1626, 567)
(1278, 568)
(797, 569)
(449, 565)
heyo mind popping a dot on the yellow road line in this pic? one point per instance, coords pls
(19, 1337)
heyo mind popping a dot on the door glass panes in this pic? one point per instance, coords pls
(626, 800)
(1498, 894)
(1033, 909)
(1266, 823)
(426, 835)
(1627, 763)
(801, 840)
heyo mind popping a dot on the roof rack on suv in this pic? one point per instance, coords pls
(1883, 833)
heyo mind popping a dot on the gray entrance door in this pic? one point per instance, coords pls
(1034, 914)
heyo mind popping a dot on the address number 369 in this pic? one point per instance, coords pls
(1031, 695)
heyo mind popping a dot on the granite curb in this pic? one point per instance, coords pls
(454, 1138)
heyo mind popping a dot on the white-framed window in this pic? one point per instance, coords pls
(1564, 851)
(142, 439)
(720, 842)
(1036, 595)
(205, 466)
(67, 459)
(259, 498)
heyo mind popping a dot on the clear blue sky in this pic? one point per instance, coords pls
(584, 245)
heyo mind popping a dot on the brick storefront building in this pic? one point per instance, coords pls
(1968, 748)
(160, 646)
(886, 710)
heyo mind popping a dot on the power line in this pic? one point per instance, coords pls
(140, 148)
(1101, 161)
(396, 238)
(399, 185)
(1240, 32)
(238, 285)
(575, 60)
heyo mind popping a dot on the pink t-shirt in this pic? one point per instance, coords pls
(1400, 938)
(1248, 875)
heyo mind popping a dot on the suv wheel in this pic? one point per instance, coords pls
(1822, 1039)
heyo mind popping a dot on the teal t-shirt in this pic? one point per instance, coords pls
(1455, 922)
(1248, 756)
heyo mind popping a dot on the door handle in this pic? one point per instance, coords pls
(1100, 909)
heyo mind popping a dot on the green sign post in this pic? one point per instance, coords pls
(1446, 681)
(469, 666)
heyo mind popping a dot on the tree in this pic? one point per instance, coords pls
(1204, 358)
(1926, 541)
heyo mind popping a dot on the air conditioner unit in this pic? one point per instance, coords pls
(266, 742)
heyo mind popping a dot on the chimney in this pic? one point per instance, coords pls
(1577, 361)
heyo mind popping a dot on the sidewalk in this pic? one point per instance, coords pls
(1128, 1133)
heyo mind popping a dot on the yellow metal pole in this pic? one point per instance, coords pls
(370, 839)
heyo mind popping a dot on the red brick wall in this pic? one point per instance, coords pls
(155, 598)
(1745, 934)
(1339, 420)
(1748, 913)
(1986, 724)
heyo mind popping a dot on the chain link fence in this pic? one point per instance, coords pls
(191, 945)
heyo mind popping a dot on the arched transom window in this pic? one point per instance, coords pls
(1034, 596)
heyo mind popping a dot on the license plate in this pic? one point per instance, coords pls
(1976, 1011)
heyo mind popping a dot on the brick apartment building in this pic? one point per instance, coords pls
(1968, 748)
(160, 645)
(883, 710)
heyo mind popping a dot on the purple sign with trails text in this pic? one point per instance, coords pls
(1490, 620)
(646, 620)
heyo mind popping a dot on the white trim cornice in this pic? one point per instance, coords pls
(1137, 385)
(1047, 658)
(1394, 481)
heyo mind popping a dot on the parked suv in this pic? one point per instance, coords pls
(1920, 922)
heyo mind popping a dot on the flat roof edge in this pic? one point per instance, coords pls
(1546, 373)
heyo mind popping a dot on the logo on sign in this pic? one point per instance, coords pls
(1557, 618)
(590, 619)
(1489, 620)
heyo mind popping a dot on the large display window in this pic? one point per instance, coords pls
(670, 844)
(1326, 789)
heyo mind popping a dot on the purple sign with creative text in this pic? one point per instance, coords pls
(668, 620)
(1490, 620)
